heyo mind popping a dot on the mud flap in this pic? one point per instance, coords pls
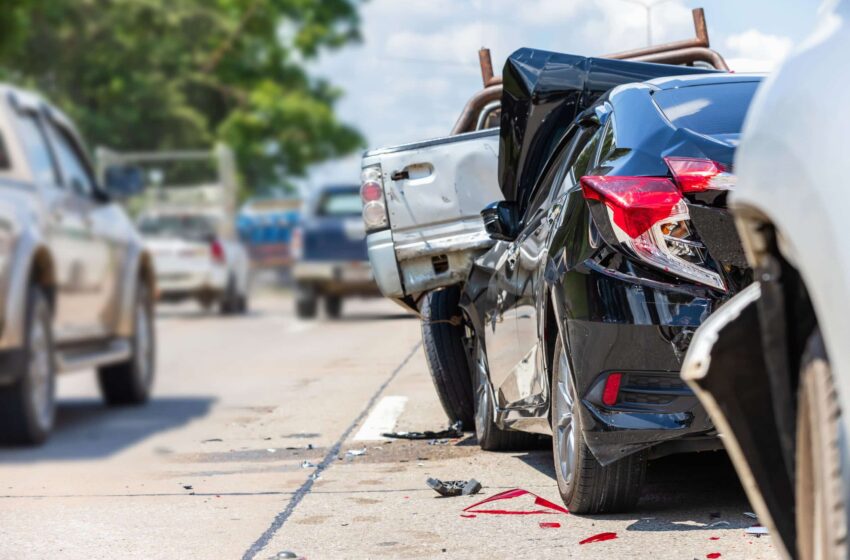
(725, 367)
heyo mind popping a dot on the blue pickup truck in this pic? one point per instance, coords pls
(331, 262)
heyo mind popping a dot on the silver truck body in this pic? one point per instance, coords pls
(434, 192)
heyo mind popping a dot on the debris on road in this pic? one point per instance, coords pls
(271, 450)
(307, 464)
(544, 505)
(713, 555)
(355, 452)
(187, 486)
(452, 488)
(600, 537)
(751, 515)
(211, 440)
(283, 554)
(549, 525)
(452, 432)
(718, 524)
(757, 530)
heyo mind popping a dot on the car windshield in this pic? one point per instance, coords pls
(186, 226)
(709, 108)
(345, 203)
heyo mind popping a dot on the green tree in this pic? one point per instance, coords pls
(160, 74)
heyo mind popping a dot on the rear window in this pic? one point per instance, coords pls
(341, 204)
(708, 109)
(189, 227)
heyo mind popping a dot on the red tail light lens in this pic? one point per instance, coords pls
(371, 191)
(650, 218)
(372, 194)
(699, 175)
(217, 251)
(611, 391)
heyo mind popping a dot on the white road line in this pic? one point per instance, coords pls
(382, 419)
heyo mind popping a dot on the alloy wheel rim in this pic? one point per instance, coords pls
(564, 425)
(40, 372)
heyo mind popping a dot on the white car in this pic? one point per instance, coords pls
(197, 258)
(772, 366)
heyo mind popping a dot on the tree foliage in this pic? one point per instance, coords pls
(160, 74)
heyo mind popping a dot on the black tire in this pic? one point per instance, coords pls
(229, 303)
(490, 436)
(28, 407)
(306, 301)
(820, 493)
(585, 485)
(130, 382)
(333, 306)
(445, 352)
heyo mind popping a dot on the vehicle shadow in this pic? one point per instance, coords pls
(687, 492)
(87, 429)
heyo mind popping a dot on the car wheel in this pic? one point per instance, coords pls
(28, 407)
(306, 301)
(445, 352)
(229, 303)
(585, 485)
(820, 493)
(130, 382)
(490, 436)
(333, 306)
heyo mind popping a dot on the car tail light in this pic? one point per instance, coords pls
(372, 194)
(650, 218)
(217, 251)
(700, 175)
(611, 391)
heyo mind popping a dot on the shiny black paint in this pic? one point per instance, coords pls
(563, 276)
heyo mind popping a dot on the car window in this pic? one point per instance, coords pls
(74, 171)
(37, 149)
(708, 108)
(340, 204)
(192, 227)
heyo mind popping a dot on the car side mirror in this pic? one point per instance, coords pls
(501, 220)
(122, 182)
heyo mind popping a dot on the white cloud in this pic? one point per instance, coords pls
(754, 51)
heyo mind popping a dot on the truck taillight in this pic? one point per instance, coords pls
(648, 216)
(372, 195)
(217, 251)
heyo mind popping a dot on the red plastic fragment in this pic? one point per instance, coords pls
(713, 555)
(468, 516)
(549, 525)
(548, 507)
(714, 538)
(599, 538)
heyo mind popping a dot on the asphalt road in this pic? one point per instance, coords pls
(243, 454)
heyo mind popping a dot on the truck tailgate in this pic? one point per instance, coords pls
(434, 192)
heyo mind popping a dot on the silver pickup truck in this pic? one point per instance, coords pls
(76, 285)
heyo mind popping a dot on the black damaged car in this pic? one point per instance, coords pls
(613, 245)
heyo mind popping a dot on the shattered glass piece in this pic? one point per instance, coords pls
(542, 505)
(600, 537)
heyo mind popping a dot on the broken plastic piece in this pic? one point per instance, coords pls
(549, 525)
(451, 488)
(452, 432)
(355, 452)
(599, 538)
(713, 555)
(307, 465)
(714, 538)
(468, 515)
(546, 507)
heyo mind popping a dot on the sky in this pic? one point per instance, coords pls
(418, 62)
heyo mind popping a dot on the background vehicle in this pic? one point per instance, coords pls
(196, 259)
(188, 219)
(614, 245)
(265, 226)
(422, 206)
(330, 251)
(772, 366)
(77, 285)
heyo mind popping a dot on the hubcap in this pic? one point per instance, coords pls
(563, 415)
(41, 372)
(143, 343)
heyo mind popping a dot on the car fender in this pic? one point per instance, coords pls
(138, 266)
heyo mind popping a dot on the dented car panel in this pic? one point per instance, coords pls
(434, 192)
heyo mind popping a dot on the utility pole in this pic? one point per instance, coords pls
(646, 5)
